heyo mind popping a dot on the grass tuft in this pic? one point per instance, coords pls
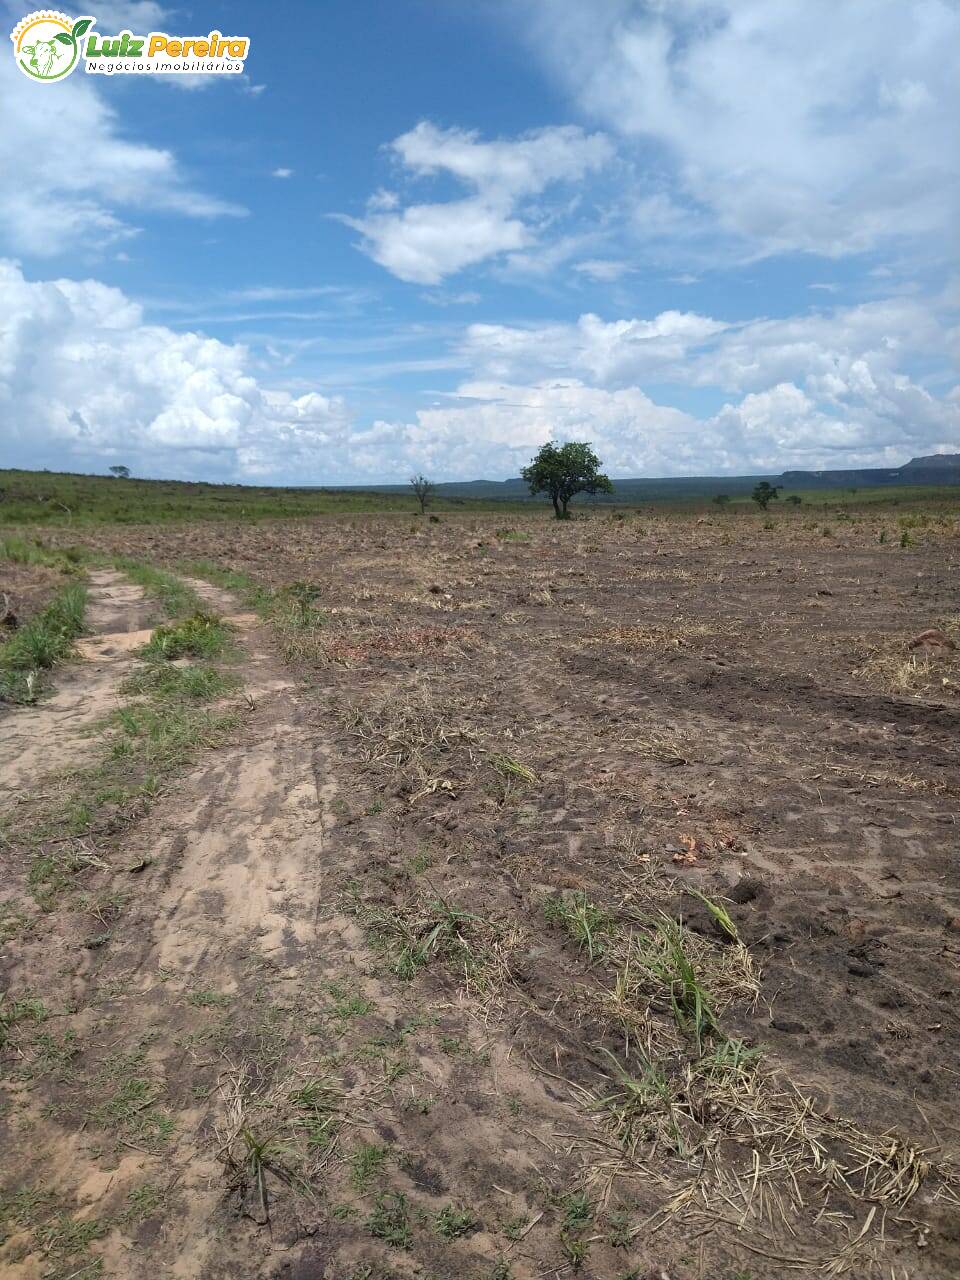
(193, 683)
(452, 1222)
(582, 919)
(201, 635)
(390, 1220)
(45, 640)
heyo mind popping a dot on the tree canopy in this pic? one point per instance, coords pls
(765, 492)
(562, 471)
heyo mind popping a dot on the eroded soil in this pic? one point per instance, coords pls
(373, 1039)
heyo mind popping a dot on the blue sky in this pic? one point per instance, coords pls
(706, 236)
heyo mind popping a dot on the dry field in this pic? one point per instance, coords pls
(491, 898)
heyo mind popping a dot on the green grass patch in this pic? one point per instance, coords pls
(316, 1106)
(367, 1163)
(452, 1223)
(31, 552)
(143, 1202)
(240, 584)
(145, 742)
(173, 595)
(194, 683)
(665, 959)
(390, 1220)
(50, 497)
(511, 768)
(45, 640)
(13, 1012)
(157, 738)
(414, 940)
(201, 635)
(587, 923)
(129, 1102)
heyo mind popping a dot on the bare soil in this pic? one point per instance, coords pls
(349, 969)
(27, 588)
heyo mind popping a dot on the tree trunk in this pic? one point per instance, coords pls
(556, 506)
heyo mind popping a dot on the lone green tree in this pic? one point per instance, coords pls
(120, 472)
(561, 471)
(764, 493)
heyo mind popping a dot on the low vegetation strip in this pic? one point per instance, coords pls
(174, 596)
(81, 501)
(32, 552)
(45, 640)
(170, 713)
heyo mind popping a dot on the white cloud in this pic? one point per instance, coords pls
(798, 126)
(497, 433)
(84, 381)
(822, 389)
(82, 378)
(510, 167)
(685, 347)
(285, 293)
(497, 426)
(612, 352)
(67, 168)
(282, 173)
(423, 243)
(603, 270)
(465, 298)
(427, 242)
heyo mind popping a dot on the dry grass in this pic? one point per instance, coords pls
(734, 1144)
(651, 636)
(891, 667)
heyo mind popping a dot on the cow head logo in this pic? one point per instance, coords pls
(46, 45)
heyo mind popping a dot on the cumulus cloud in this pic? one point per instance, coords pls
(604, 270)
(83, 378)
(499, 425)
(425, 242)
(608, 352)
(55, 198)
(815, 348)
(496, 427)
(822, 389)
(796, 126)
